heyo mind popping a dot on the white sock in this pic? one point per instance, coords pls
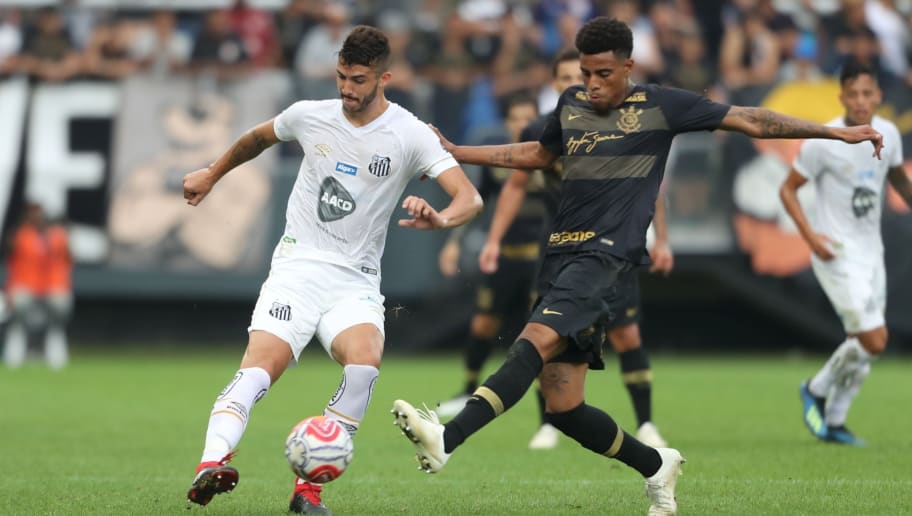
(844, 391)
(55, 347)
(352, 397)
(16, 345)
(822, 382)
(231, 410)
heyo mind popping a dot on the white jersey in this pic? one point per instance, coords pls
(849, 183)
(351, 179)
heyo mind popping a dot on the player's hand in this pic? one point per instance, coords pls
(662, 258)
(487, 260)
(446, 144)
(449, 259)
(197, 185)
(423, 215)
(863, 133)
(822, 246)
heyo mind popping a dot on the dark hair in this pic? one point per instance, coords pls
(569, 54)
(517, 99)
(603, 34)
(366, 46)
(854, 69)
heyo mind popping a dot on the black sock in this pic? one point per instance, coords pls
(500, 392)
(541, 406)
(477, 352)
(597, 431)
(637, 377)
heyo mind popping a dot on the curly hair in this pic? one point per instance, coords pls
(604, 34)
(366, 46)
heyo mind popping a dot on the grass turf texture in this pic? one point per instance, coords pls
(121, 433)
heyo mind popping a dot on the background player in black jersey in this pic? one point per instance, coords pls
(614, 137)
(506, 294)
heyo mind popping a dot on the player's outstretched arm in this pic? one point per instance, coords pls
(763, 123)
(198, 183)
(788, 192)
(525, 155)
(900, 181)
(511, 197)
(466, 203)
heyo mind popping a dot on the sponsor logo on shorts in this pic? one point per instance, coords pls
(570, 237)
(548, 311)
(280, 311)
(368, 270)
(345, 168)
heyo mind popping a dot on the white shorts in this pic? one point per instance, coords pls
(857, 290)
(303, 298)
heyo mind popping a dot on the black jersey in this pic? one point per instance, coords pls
(536, 210)
(613, 164)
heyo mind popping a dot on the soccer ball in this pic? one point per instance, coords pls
(319, 449)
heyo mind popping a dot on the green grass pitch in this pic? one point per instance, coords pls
(120, 433)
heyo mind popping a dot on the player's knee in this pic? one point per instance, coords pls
(874, 341)
(485, 326)
(625, 338)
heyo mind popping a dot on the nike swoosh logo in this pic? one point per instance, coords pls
(548, 311)
(572, 117)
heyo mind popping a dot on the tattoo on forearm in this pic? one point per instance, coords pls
(502, 158)
(245, 150)
(775, 125)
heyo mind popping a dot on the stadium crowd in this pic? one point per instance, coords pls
(456, 60)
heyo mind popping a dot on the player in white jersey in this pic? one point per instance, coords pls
(847, 247)
(324, 281)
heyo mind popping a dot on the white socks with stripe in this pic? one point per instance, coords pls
(231, 410)
(352, 397)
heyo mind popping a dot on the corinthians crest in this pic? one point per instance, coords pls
(630, 119)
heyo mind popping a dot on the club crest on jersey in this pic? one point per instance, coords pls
(630, 119)
(345, 168)
(379, 166)
(335, 201)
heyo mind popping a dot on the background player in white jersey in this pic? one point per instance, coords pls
(360, 152)
(848, 250)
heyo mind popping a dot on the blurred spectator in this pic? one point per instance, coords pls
(108, 54)
(689, 68)
(646, 52)
(293, 22)
(864, 48)
(401, 88)
(257, 31)
(218, 48)
(48, 53)
(450, 74)
(316, 59)
(160, 46)
(10, 41)
(750, 54)
(892, 34)
(802, 64)
(38, 288)
(560, 20)
(839, 29)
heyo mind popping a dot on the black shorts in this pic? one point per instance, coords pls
(576, 295)
(625, 304)
(508, 291)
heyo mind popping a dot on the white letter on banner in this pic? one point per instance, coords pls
(13, 95)
(53, 168)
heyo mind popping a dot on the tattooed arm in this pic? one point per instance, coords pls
(525, 155)
(197, 184)
(763, 123)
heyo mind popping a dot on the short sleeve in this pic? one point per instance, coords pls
(428, 155)
(807, 162)
(896, 153)
(291, 120)
(686, 111)
(552, 135)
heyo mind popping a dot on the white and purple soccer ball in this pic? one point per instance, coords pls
(319, 449)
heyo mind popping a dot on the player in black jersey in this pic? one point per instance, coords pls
(613, 136)
(507, 293)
